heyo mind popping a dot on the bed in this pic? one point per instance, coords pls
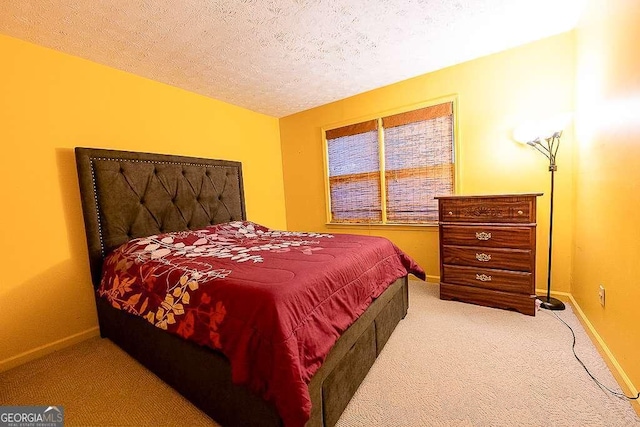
(128, 196)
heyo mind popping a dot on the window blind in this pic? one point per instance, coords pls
(419, 162)
(354, 173)
(418, 165)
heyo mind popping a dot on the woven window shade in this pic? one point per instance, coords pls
(354, 129)
(354, 174)
(423, 114)
(419, 163)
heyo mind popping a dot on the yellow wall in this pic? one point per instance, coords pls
(51, 102)
(607, 230)
(495, 93)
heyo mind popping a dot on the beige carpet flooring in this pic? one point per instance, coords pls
(447, 364)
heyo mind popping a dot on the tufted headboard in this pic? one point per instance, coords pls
(126, 195)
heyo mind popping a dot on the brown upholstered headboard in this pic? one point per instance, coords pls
(127, 195)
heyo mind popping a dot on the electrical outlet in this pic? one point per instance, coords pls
(601, 295)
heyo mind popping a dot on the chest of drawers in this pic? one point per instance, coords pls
(488, 250)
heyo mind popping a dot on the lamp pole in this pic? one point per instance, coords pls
(549, 150)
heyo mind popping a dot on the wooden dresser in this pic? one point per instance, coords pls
(488, 250)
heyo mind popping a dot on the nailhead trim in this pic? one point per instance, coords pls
(95, 197)
(158, 162)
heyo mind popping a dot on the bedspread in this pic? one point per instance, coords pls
(273, 302)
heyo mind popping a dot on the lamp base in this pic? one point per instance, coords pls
(550, 303)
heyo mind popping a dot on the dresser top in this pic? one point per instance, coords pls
(488, 196)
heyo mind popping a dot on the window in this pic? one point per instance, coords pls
(388, 170)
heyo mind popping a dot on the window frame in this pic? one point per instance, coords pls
(378, 116)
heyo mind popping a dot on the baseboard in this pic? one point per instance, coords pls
(38, 352)
(562, 296)
(619, 373)
(433, 279)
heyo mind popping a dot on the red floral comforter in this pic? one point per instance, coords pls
(273, 302)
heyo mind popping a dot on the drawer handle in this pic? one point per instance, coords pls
(449, 213)
(483, 257)
(483, 277)
(520, 212)
(483, 236)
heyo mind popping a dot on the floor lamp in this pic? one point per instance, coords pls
(549, 147)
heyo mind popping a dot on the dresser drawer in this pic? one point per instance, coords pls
(495, 210)
(488, 236)
(504, 259)
(522, 303)
(499, 280)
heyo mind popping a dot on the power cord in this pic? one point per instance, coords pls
(573, 348)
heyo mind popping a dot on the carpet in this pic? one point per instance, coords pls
(447, 364)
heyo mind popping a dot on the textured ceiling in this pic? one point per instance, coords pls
(279, 57)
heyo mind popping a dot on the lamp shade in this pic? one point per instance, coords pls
(526, 132)
(541, 129)
(554, 124)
